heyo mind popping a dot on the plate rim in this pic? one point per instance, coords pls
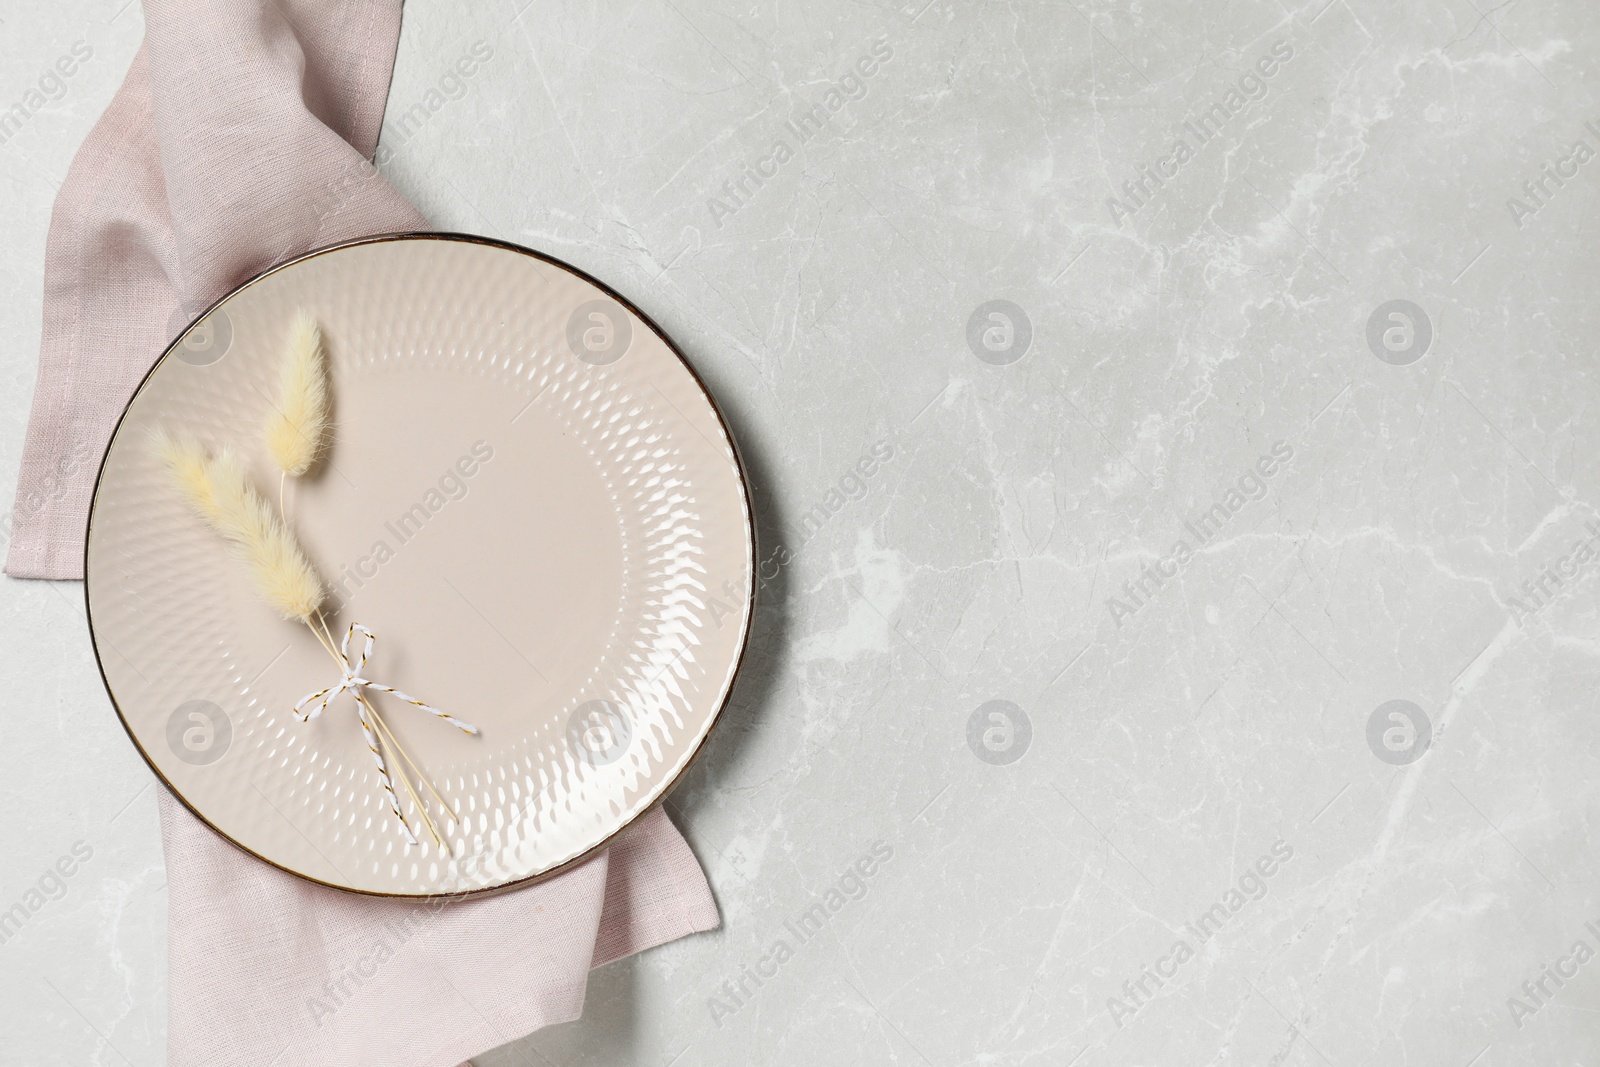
(753, 555)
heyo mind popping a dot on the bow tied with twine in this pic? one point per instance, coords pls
(357, 684)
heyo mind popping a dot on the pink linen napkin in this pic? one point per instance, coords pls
(242, 136)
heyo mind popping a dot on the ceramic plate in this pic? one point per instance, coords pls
(529, 498)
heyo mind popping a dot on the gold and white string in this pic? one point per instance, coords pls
(378, 734)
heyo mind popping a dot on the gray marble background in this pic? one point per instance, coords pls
(1193, 829)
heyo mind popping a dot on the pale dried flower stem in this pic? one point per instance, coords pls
(218, 488)
(296, 435)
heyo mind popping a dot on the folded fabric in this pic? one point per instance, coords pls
(266, 968)
(243, 135)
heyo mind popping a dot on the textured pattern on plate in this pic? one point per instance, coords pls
(529, 499)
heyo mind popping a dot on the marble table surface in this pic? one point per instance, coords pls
(1203, 672)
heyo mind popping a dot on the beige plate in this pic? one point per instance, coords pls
(530, 499)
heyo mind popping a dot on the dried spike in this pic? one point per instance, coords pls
(297, 428)
(219, 490)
